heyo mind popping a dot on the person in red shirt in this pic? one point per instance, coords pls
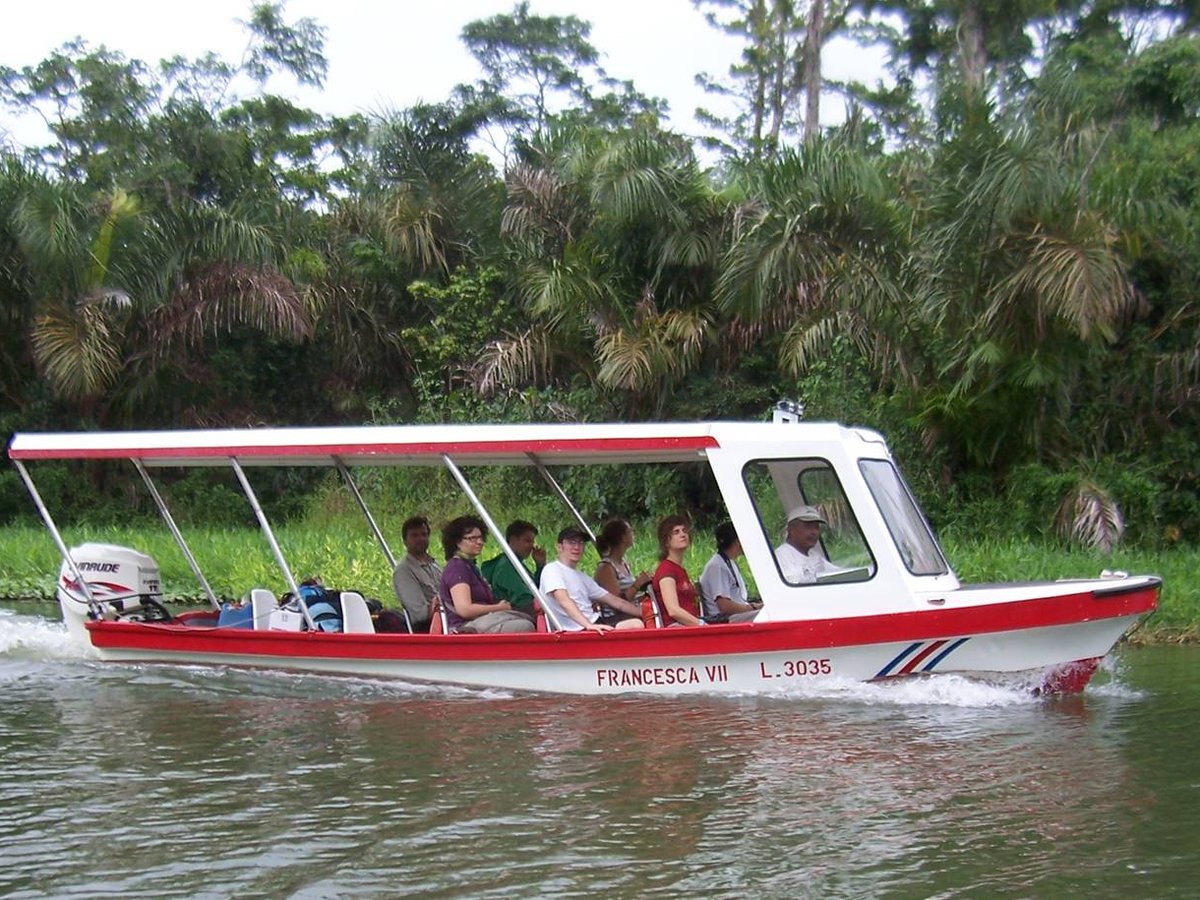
(672, 587)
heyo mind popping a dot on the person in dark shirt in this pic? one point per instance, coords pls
(470, 606)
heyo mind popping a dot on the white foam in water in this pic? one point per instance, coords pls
(1108, 681)
(942, 690)
(361, 686)
(389, 687)
(34, 637)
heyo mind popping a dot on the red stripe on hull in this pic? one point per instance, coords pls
(652, 643)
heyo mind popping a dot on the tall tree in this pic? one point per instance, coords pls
(183, 128)
(778, 83)
(975, 50)
(538, 68)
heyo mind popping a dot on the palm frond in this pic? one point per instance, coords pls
(516, 360)
(1090, 516)
(224, 295)
(77, 351)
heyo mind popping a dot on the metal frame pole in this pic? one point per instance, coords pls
(362, 504)
(178, 535)
(54, 533)
(562, 495)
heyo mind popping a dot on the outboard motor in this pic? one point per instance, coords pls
(123, 584)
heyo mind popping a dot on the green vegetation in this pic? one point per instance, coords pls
(992, 261)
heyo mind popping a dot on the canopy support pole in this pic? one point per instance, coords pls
(270, 535)
(362, 504)
(555, 625)
(62, 547)
(562, 495)
(177, 534)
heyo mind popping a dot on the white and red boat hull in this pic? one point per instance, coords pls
(1055, 643)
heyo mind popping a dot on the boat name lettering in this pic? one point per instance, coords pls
(99, 567)
(796, 668)
(664, 675)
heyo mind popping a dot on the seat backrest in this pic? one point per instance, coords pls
(539, 615)
(356, 616)
(262, 604)
(437, 617)
(657, 620)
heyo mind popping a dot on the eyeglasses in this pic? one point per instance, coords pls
(574, 542)
(472, 537)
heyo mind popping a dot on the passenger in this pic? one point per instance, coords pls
(676, 594)
(722, 588)
(575, 598)
(417, 576)
(613, 573)
(505, 580)
(797, 562)
(470, 606)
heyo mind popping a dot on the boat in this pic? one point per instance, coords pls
(887, 605)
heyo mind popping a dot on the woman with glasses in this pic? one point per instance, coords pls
(470, 606)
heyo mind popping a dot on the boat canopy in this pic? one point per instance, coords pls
(422, 445)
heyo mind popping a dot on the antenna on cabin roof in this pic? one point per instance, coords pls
(788, 411)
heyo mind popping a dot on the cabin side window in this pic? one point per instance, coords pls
(911, 532)
(832, 550)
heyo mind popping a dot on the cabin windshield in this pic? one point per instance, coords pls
(778, 486)
(911, 533)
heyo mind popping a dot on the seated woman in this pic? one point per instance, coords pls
(466, 596)
(722, 588)
(613, 572)
(674, 589)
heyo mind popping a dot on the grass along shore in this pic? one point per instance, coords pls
(346, 557)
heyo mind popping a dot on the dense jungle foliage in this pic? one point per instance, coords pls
(992, 260)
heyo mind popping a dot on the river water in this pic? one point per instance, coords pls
(157, 781)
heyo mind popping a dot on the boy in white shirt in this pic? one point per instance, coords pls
(577, 601)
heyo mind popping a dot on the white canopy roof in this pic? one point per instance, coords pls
(558, 444)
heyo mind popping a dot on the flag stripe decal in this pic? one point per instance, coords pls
(917, 653)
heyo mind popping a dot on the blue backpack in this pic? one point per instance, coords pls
(324, 606)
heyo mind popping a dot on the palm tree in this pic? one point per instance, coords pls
(615, 239)
(1024, 276)
(118, 293)
(425, 209)
(817, 253)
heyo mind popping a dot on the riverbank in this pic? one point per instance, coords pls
(233, 561)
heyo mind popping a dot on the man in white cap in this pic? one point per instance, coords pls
(798, 560)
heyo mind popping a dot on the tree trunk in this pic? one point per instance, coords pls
(812, 69)
(972, 54)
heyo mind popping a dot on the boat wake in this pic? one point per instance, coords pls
(950, 690)
(1109, 681)
(36, 638)
(944, 690)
